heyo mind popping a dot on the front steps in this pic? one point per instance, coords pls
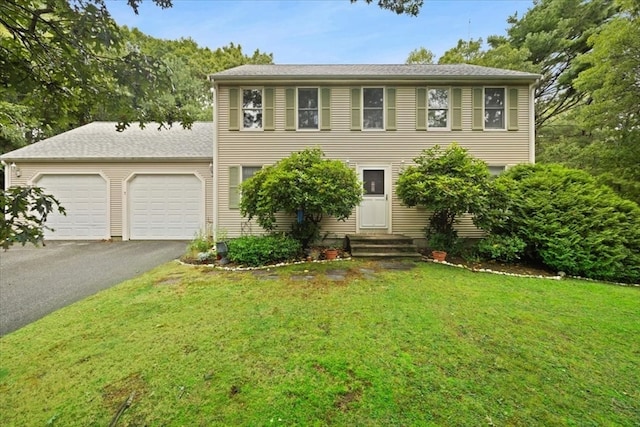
(381, 246)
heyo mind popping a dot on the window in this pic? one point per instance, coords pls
(252, 108)
(496, 170)
(438, 109)
(249, 171)
(494, 98)
(308, 108)
(373, 108)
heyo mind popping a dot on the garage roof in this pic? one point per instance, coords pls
(99, 141)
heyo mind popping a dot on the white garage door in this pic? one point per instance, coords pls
(165, 207)
(85, 199)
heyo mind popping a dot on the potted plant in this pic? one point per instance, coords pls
(330, 253)
(441, 242)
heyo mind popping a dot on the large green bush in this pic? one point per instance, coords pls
(568, 221)
(303, 184)
(448, 182)
(262, 250)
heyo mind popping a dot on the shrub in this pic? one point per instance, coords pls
(304, 185)
(568, 221)
(262, 250)
(447, 182)
(201, 243)
(501, 247)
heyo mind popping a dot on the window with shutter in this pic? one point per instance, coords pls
(355, 109)
(325, 115)
(456, 108)
(421, 108)
(373, 108)
(269, 105)
(252, 109)
(234, 109)
(392, 121)
(290, 109)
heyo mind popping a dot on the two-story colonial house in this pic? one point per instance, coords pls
(376, 118)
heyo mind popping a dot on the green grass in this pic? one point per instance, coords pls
(430, 346)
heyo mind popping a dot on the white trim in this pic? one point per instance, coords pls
(449, 117)
(505, 109)
(388, 170)
(214, 173)
(125, 199)
(7, 175)
(384, 108)
(39, 175)
(532, 124)
(242, 89)
(318, 107)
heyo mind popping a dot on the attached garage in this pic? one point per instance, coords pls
(140, 184)
(165, 206)
(85, 198)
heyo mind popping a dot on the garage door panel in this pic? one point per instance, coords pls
(165, 207)
(85, 199)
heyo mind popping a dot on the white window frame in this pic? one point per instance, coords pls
(384, 109)
(243, 109)
(448, 126)
(505, 109)
(318, 108)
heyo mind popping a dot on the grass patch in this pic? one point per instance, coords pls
(430, 346)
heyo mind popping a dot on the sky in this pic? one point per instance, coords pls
(322, 31)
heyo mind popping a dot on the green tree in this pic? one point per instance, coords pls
(304, 185)
(448, 183)
(420, 56)
(23, 213)
(407, 7)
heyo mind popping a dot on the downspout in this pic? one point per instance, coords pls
(214, 106)
(532, 123)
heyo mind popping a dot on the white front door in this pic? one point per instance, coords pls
(374, 209)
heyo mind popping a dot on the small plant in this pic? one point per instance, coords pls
(443, 241)
(262, 250)
(202, 242)
(502, 248)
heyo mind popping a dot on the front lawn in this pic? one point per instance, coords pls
(433, 345)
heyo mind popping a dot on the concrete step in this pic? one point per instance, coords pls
(381, 246)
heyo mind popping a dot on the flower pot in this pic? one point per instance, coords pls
(331, 254)
(438, 255)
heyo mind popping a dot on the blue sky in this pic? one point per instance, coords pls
(322, 31)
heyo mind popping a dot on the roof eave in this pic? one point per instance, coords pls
(527, 78)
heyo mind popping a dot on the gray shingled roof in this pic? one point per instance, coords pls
(100, 141)
(369, 72)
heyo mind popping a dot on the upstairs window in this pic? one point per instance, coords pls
(308, 108)
(494, 103)
(252, 108)
(373, 108)
(438, 109)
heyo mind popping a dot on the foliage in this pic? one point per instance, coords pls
(441, 241)
(447, 182)
(502, 247)
(263, 250)
(23, 214)
(556, 33)
(431, 346)
(64, 63)
(501, 54)
(408, 7)
(420, 56)
(303, 182)
(201, 243)
(568, 221)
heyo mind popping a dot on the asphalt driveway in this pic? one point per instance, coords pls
(35, 281)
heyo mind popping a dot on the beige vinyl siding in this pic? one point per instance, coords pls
(117, 173)
(361, 148)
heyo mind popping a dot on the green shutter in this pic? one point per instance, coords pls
(391, 109)
(456, 109)
(513, 109)
(234, 108)
(325, 113)
(355, 109)
(421, 108)
(234, 187)
(478, 104)
(268, 104)
(290, 109)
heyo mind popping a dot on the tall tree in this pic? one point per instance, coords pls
(556, 34)
(420, 56)
(407, 7)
